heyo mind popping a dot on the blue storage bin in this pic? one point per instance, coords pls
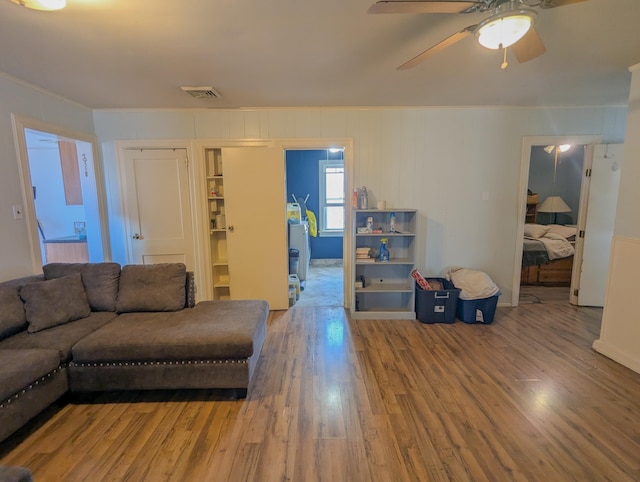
(437, 306)
(477, 311)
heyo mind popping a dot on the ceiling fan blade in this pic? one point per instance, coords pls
(424, 6)
(448, 42)
(528, 47)
(558, 3)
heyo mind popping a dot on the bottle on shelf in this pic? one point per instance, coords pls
(370, 224)
(364, 202)
(392, 223)
(354, 198)
(383, 254)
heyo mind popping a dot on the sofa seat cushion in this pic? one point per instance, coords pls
(20, 368)
(212, 330)
(59, 338)
(101, 281)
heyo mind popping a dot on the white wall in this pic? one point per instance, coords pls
(438, 160)
(620, 331)
(24, 100)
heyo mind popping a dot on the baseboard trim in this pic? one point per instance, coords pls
(616, 355)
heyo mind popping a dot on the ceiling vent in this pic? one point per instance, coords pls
(201, 92)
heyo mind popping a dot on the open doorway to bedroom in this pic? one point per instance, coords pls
(63, 202)
(589, 230)
(551, 217)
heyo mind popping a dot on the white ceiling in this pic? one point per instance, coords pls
(308, 53)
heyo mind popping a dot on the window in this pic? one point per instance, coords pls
(331, 222)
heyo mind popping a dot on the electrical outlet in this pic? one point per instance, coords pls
(17, 211)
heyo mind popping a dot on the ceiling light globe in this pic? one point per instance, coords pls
(508, 25)
(42, 4)
(504, 32)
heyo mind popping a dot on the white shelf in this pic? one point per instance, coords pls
(214, 183)
(383, 263)
(389, 289)
(386, 288)
(383, 314)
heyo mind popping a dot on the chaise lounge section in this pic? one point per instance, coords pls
(185, 349)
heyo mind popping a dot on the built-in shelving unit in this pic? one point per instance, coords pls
(387, 290)
(217, 226)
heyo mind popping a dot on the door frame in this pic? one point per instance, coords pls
(525, 160)
(161, 144)
(20, 123)
(322, 143)
(201, 218)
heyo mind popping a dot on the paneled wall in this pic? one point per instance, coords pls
(458, 166)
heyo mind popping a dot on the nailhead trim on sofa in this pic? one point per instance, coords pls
(182, 362)
(17, 395)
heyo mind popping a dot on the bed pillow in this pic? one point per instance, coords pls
(152, 287)
(535, 230)
(564, 231)
(54, 302)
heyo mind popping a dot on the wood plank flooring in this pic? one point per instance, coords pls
(523, 399)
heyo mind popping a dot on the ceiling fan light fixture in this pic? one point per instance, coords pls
(42, 4)
(505, 28)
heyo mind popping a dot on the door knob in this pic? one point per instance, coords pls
(230, 228)
(136, 236)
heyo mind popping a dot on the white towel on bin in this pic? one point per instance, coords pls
(473, 285)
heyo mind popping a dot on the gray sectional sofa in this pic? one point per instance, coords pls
(97, 327)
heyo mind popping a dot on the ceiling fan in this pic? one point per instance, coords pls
(509, 24)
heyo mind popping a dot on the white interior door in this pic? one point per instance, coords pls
(256, 224)
(601, 215)
(157, 205)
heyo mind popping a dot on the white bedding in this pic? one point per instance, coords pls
(557, 246)
(473, 284)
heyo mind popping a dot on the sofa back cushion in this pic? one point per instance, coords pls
(152, 287)
(12, 315)
(100, 281)
(54, 302)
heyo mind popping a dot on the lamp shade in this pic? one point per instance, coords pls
(554, 204)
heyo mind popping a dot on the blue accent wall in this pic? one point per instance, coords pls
(302, 179)
(568, 181)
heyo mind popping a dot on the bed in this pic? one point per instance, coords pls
(547, 255)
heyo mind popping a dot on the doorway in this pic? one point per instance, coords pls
(62, 193)
(315, 186)
(553, 202)
(593, 226)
